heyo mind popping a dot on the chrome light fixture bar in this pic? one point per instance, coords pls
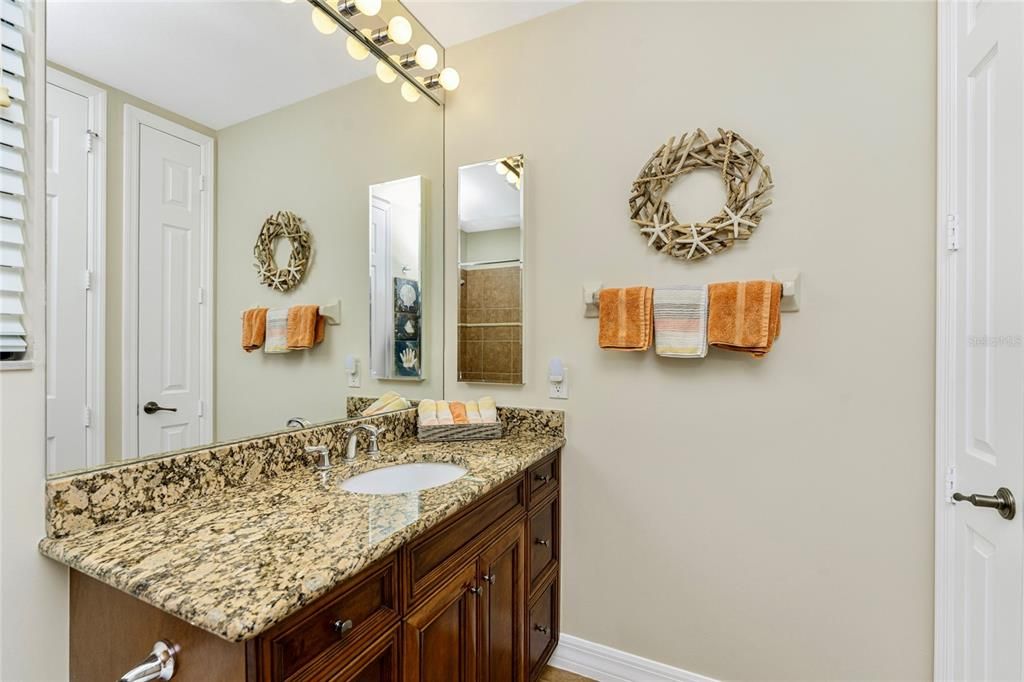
(373, 46)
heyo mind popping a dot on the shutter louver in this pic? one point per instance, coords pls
(13, 335)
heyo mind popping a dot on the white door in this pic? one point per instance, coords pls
(170, 267)
(381, 313)
(988, 376)
(74, 305)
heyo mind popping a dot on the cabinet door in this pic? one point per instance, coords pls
(503, 603)
(440, 640)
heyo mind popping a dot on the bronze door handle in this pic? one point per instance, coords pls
(152, 408)
(1002, 502)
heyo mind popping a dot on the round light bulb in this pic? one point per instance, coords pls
(356, 49)
(323, 23)
(385, 73)
(409, 92)
(287, 2)
(426, 56)
(449, 78)
(511, 177)
(499, 168)
(368, 7)
(400, 30)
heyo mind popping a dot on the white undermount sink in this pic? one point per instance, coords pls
(403, 478)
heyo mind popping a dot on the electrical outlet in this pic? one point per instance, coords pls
(353, 380)
(559, 390)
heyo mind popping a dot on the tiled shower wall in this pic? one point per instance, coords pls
(490, 325)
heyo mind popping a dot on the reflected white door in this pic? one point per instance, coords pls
(170, 257)
(74, 335)
(381, 312)
(988, 608)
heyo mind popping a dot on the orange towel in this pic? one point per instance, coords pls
(459, 414)
(305, 326)
(744, 316)
(254, 328)
(627, 317)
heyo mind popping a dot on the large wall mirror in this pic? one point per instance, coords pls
(490, 340)
(169, 145)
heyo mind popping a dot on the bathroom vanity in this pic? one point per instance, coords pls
(294, 578)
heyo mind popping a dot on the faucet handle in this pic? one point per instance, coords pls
(325, 456)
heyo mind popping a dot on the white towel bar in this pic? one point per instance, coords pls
(331, 311)
(789, 278)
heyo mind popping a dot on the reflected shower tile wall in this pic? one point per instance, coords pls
(491, 296)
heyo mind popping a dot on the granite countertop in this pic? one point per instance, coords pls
(241, 561)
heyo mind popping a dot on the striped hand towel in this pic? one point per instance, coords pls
(681, 321)
(277, 331)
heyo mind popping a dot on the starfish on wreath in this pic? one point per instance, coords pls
(694, 238)
(659, 231)
(737, 219)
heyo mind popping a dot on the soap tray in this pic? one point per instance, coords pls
(448, 432)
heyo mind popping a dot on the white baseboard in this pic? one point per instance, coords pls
(605, 664)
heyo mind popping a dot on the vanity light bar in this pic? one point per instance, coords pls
(372, 43)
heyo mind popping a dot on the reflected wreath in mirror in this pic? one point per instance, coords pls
(741, 166)
(283, 225)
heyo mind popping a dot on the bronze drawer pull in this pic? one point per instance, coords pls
(541, 541)
(543, 478)
(476, 590)
(542, 629)
(342, 627)
(489, 578)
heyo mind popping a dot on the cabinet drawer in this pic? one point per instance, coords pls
(542, 533)
(323, 639)
(377, 663)
(543, 627)
(442, 550)
(543, 477)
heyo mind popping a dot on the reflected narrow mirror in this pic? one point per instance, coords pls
(207, 217)
(490, 339)
(396, 280)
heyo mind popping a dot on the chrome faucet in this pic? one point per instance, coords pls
(298, 423)
(325, 456)
(352, 434)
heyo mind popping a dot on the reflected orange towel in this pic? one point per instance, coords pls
(459, 414)
(744, 316)
(627, 318)
(254, 328)
(305, 326)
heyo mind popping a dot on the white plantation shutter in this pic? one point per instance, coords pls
(13, 337)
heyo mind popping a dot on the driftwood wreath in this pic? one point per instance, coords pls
(282, 225)
(740, 165)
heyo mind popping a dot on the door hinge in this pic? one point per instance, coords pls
(86, 416)
(202, 182)
(952, 232)
(87, 280)
(200, 408)
(201, 296)
(90, 137)
(950, 483)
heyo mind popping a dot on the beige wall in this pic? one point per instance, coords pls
(318, 158)
(33, 589)
(738, 518)
(116, 101)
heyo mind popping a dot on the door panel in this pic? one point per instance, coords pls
(503, 570)
(67, 302)
(989, 374)
(170, 270)
(441, 635)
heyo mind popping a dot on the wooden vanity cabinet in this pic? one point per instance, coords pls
(474, 599)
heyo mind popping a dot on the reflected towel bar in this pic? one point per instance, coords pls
(331, 311)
